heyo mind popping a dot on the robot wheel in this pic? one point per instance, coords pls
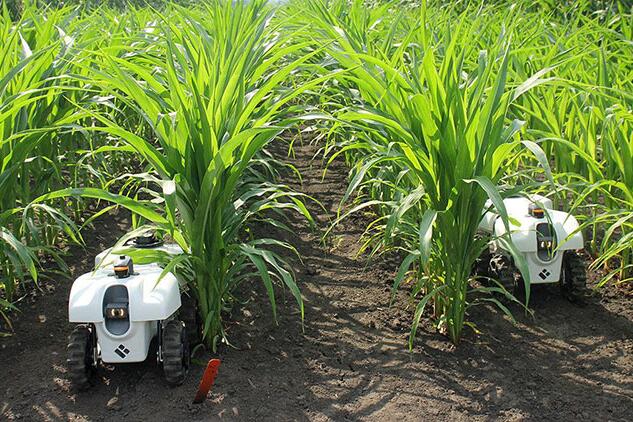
(80, 356)
(175, 352)
(574, 275)
(190, 316)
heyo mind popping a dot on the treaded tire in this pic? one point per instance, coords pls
(505, 272)
(190, 316)
(79, 360)
(481, 267)
(574, 275)
(175, 352)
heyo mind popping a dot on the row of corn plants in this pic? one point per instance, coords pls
(437, 107)
(42, 145)
(32, 106)
(443, 106)
(583, 120)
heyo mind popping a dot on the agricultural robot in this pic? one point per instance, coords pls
(548, 239)
(121, 309)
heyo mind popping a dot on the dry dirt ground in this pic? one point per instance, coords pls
(350, 361)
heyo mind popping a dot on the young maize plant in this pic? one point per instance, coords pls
(434, 135)
(614, 210)
(33, 106)
(617, 243)
(584, 123)
(210, 88)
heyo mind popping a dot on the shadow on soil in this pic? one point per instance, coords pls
(567, 362)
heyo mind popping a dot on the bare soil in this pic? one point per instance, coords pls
(349, 360)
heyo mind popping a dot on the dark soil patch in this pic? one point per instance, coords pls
(349, 361)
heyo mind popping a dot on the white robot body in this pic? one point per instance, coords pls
(119, 308)
(539, 232)
(145, 302)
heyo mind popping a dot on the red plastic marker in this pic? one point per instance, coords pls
(207, 380)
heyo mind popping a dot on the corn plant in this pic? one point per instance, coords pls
(212, 95)
(33, 106)
(613, 212)
(583, 122)
(434, 135)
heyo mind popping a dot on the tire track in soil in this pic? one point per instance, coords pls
(349, 360)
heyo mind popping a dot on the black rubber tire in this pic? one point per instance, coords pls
(574, 275)
(502, 268)
(79, 359)
(481, 267)
(175, 352)
(191, 317)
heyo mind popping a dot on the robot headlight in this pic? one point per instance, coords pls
(116, 311)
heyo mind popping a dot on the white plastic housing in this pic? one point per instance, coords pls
(136, 342)
(149, 301)
(515, 207)
(551, 270)
(523, 235)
